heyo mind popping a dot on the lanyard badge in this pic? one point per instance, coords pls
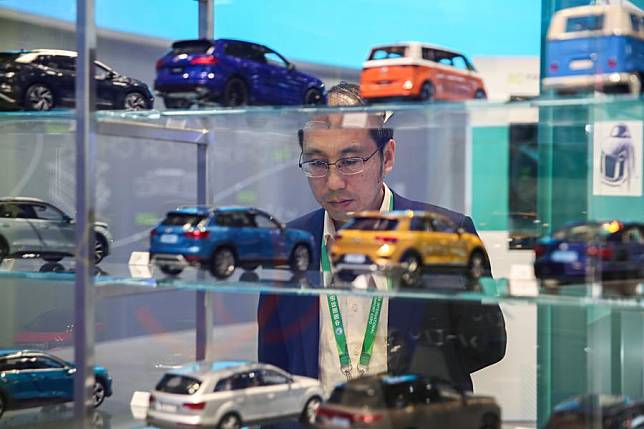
(338, 326)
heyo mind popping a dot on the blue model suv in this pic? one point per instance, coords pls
(34, 379)
(232, 73)
(224, 238)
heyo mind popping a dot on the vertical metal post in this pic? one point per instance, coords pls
(85, 215)
(204, 300)
(206, 19)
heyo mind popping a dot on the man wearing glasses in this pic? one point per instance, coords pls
(345, 158)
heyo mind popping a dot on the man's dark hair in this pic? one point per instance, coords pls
(346, 94)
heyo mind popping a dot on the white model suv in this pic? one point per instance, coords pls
(229, 394)
(32, 228)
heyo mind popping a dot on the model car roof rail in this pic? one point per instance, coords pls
(21, 199)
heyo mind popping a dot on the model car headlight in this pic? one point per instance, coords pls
(5, 87)
(408, 84)
(7, 75)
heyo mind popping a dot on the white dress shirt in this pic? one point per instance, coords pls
(355, 312)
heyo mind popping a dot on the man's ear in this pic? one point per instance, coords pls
(389, 156)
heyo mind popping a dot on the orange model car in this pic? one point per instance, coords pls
(414, 70)
(407, 241)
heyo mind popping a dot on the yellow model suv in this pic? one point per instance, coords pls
(407, 241)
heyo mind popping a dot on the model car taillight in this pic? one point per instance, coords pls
(604, 253)
(366, 418)
(196, 234)
(612, 62)
(196, 406)
(154, 233)
(159, 64)
(385, 239)
(554, 66)
(206, 60)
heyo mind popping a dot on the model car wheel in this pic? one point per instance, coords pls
(100, 249)
(235, 93)
(170, 271)
(135, 101)
(4, 249)
(223, 263)
(427, 92)
(480, 94)
(176, 103)
(229, 421)
(98, 394)
(490, 422)
(476, 265)
(310, 410)
(52, 267)
(39, 97)
(313, 97)
(300, 258)
(412, 268)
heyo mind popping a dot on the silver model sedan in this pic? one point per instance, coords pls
(227, 394)
(32, 228)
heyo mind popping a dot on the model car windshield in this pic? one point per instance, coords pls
(182, 219)
(178, 384)
(357, 396)
(388, 53)
(584, 23)
(372, 224)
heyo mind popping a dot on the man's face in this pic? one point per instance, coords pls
(340, 194)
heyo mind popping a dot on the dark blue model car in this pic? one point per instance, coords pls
(606, 250)
(222, 239)
(33, 379)
(233, 73)
(42, 79)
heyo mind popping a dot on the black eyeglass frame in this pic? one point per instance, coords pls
(329, 164)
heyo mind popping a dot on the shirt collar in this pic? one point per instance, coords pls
(329, 226)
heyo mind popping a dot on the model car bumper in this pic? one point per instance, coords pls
(170, 420)
(592, 81)
(188, 90)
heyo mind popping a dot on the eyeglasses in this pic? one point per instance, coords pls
(346, 166)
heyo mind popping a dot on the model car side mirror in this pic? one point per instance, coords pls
(71, 371)
(291, 67)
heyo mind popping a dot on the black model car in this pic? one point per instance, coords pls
(42, 79)
(614, 412)
(406, 401)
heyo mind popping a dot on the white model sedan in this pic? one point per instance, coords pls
(227, 394)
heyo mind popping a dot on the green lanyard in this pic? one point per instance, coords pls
(338, 326)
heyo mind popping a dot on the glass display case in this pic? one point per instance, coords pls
(522, 281)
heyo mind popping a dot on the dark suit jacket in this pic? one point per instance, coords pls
(435, 337)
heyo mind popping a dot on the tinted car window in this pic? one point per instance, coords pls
(181, 219)
(26, 363)
(270, 377)
(399, 395)
(43, 362)
(443, 225)
(421, 224)
(233, 219)
(388, 53)
(191, 47)
(13, 210)
(9, 364)
(47, 212)
(274, 59)
(6, 57)
(581, 233)
(428, 54)
(179, 384)
(263, 221)
(584, 23)
(223, 385)
(245, 380)
(63, 62)
(635, 22)
(358, 396)
(372, 224)
(459, 63)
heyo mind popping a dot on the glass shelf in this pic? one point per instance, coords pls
(620, 295)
